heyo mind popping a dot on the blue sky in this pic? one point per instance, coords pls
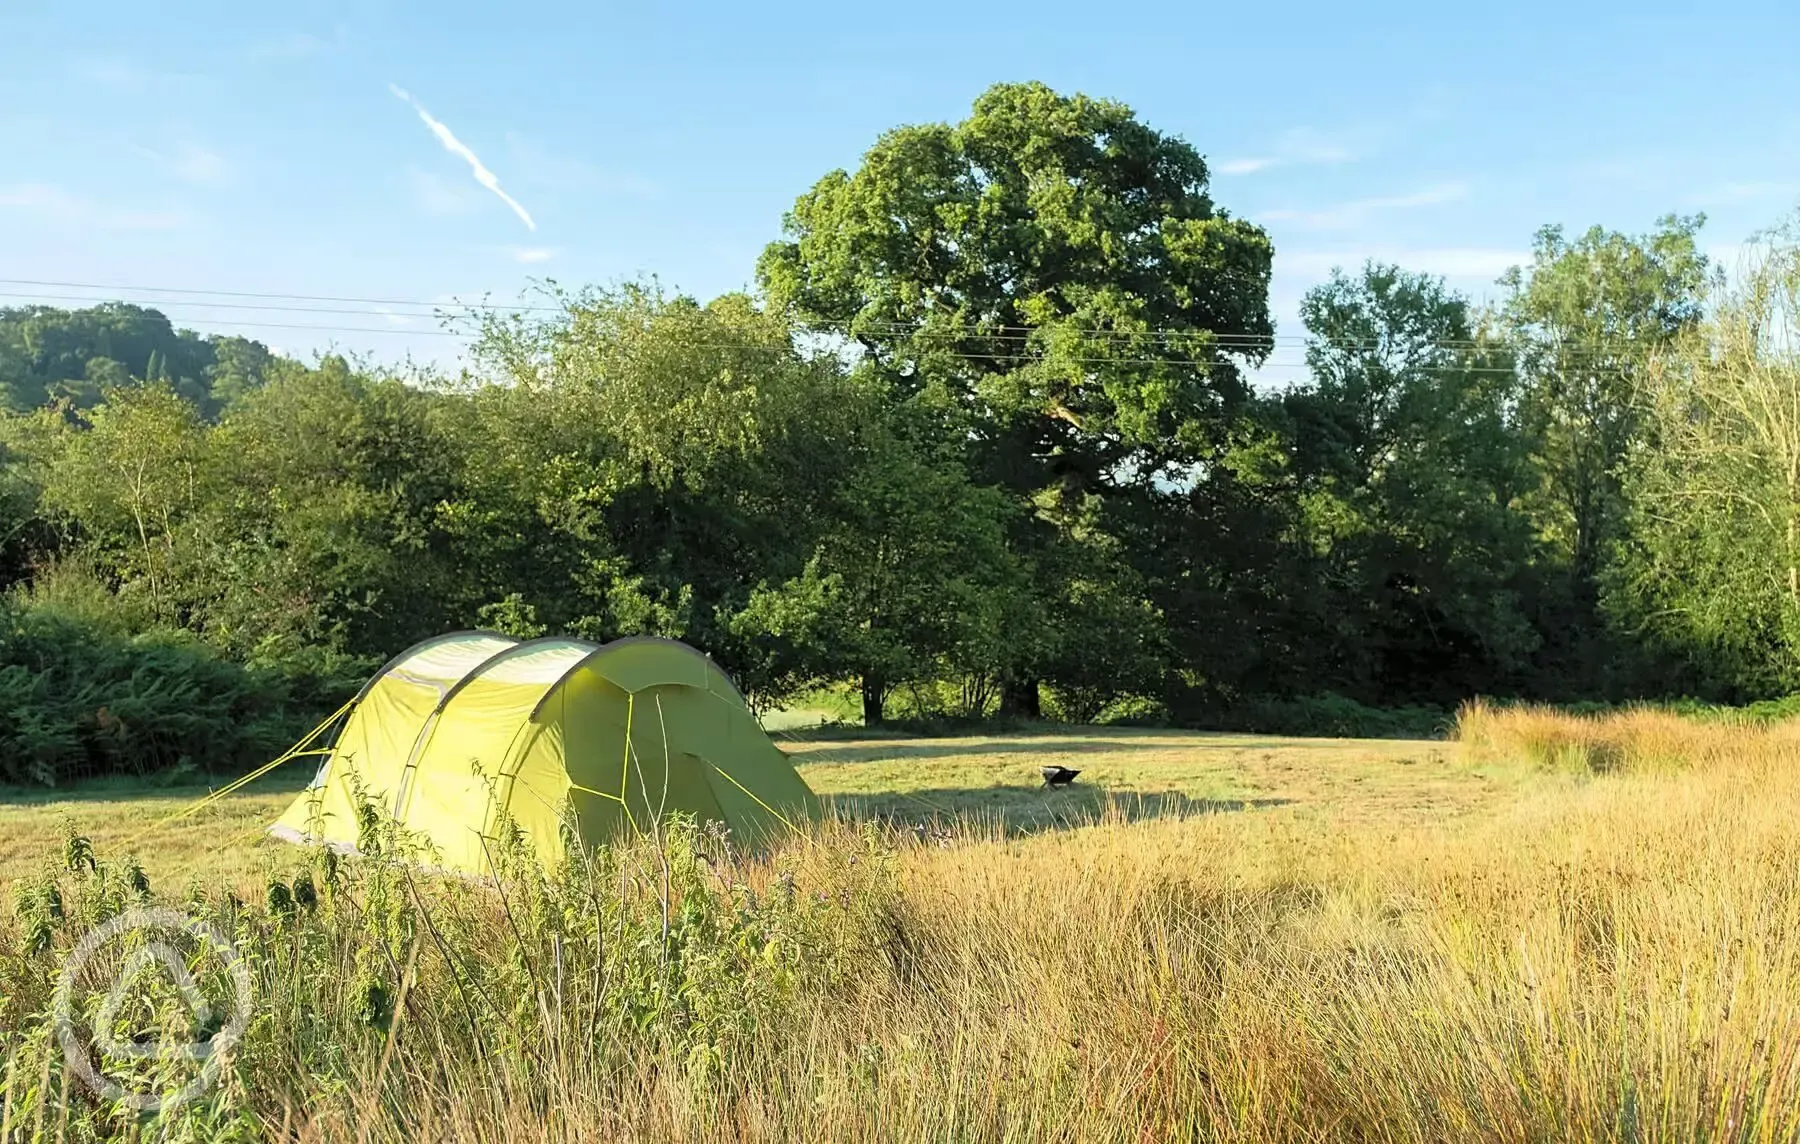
(268, 148)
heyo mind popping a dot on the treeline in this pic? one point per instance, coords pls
(72, 357)
(985, 439)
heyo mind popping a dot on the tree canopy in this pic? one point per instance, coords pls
(72, 356)
(1051, 268)
(985, 439)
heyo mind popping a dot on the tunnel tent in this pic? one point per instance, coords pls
(569, 740)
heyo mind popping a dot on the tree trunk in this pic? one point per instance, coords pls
(874, 697)
(1019, 699)
(1793, 545)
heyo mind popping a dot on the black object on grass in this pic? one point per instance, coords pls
(1058, 776)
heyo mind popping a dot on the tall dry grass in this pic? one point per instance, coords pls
(1636, 738)
(1607, 958)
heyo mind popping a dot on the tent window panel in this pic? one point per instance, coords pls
(447, 661)
(698, 800)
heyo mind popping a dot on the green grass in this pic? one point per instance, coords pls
(224, 841)
(995, 780)
(990, 783)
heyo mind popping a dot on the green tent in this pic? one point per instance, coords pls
(459, 733)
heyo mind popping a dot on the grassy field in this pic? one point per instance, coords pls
(1553, 929)
(979, 785)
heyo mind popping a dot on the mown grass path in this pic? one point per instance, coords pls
(987, 783)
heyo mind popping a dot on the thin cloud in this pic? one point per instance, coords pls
(1726, 193)
(56, 205)
(297, 45)
(41, 197)
(1305, 145)
(456, 147)
(531, 255)
(191, 163)
(1448, 262)
(1246, 166)
(198, 165)
(131, 78)
(1353, 213)
(538, 166)
(1301, 146)
(436, 195)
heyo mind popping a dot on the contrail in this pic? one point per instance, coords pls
(455, 146)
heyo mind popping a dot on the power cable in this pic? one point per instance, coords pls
(961, 355)
(1012, 343)
(1002, 333)
(270, 296)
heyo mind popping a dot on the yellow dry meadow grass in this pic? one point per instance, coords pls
(1556, 928)
(1640, 739)
(981, 784)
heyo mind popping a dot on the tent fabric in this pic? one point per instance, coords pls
(377, 739)
(571, 742)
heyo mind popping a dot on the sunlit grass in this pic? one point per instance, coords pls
(986, 781)
(1139, 774)
(1495, 939)
(1640, 738)
(224, 841)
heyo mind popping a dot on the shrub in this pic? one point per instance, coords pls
(80, 697)
(1325, 716)
(666, 954)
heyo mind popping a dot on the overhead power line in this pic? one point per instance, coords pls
(1197, 363)
(269, 296)
(1002, 332)
(261, 308)
(334, 329)
(1011, 339)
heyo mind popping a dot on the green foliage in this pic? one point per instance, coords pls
(511, 617)
(909, 581)
(1585, 320)
(1100, 637)
(1050, 278)
(669, 948)
(644, 460)
(71, 357)
(130, 483)
(1051, 260)
(78, 698)
(1710, 572)
(984, 441)
(326, 527)
(1409, 464)
(1328, 715)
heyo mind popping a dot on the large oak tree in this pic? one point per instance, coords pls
(1051, 276)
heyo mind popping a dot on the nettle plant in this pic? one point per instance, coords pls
(372, 972)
